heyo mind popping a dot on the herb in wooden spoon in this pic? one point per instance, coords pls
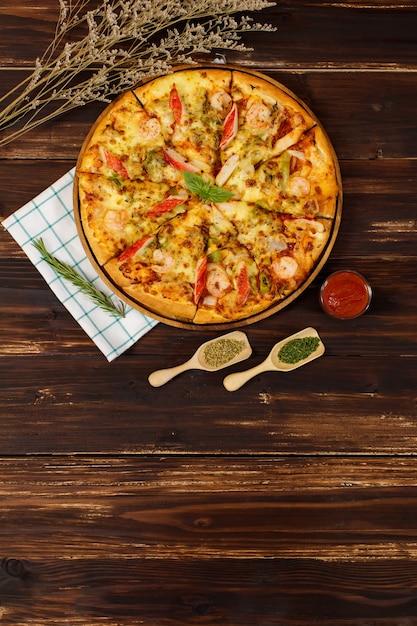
(204, 190)
(298, 349)
(69, 273)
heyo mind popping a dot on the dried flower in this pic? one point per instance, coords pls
(116, 45)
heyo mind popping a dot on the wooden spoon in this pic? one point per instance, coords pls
(273, 363)
(198, 360)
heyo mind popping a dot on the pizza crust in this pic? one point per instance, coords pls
(162, 306)
(213, 316)
(157, 302)
(209, 316)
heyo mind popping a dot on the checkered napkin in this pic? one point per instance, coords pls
(50, 217)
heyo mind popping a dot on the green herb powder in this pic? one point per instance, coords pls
(298, 349)
(222, 351)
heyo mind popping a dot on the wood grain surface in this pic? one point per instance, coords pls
(292, 502)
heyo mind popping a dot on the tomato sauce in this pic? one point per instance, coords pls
(345, 294)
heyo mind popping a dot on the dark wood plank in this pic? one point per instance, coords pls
(309, 34)
(23, 180)
(368, 115)
(359, 397)
(222, 591)
(259, 541)
(27, 298)
(311, 507)
(17, 19)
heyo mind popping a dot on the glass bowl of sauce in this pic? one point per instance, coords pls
(345, 294)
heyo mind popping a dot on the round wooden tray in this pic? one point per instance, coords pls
(275, 308)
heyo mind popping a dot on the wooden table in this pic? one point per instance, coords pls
(290, 502)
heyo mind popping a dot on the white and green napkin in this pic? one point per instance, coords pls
(50, 217)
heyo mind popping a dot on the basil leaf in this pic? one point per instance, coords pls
(196, 184)
(218, 194)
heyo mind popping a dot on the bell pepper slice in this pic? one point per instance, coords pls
(264, 285)
(285, 168)
(215, 256)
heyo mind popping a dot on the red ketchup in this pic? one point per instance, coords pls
(345, 294)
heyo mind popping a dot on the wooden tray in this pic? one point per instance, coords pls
(275, 308)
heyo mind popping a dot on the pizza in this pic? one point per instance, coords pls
(208, 195)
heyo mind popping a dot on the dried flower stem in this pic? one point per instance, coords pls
(114, 46)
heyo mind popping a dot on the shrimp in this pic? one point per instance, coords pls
(115, 220)
(150, 129)
(285, 267)
(163, 261)
(298, 186)
(221, 101)
(258, 116)
(217, 283)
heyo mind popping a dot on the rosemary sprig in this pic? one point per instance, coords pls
(69, 273)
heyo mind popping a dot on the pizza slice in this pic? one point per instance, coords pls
(262, 122)
(230, 289)
(190, 106)
(120, 142)
(302, 181)
(115, 214)
(163, 270)
(309, 237)
(284, 247)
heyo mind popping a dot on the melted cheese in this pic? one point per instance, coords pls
(127, 133)
(117, 215)
(197, 135)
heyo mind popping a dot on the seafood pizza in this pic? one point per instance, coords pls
(207, 195)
